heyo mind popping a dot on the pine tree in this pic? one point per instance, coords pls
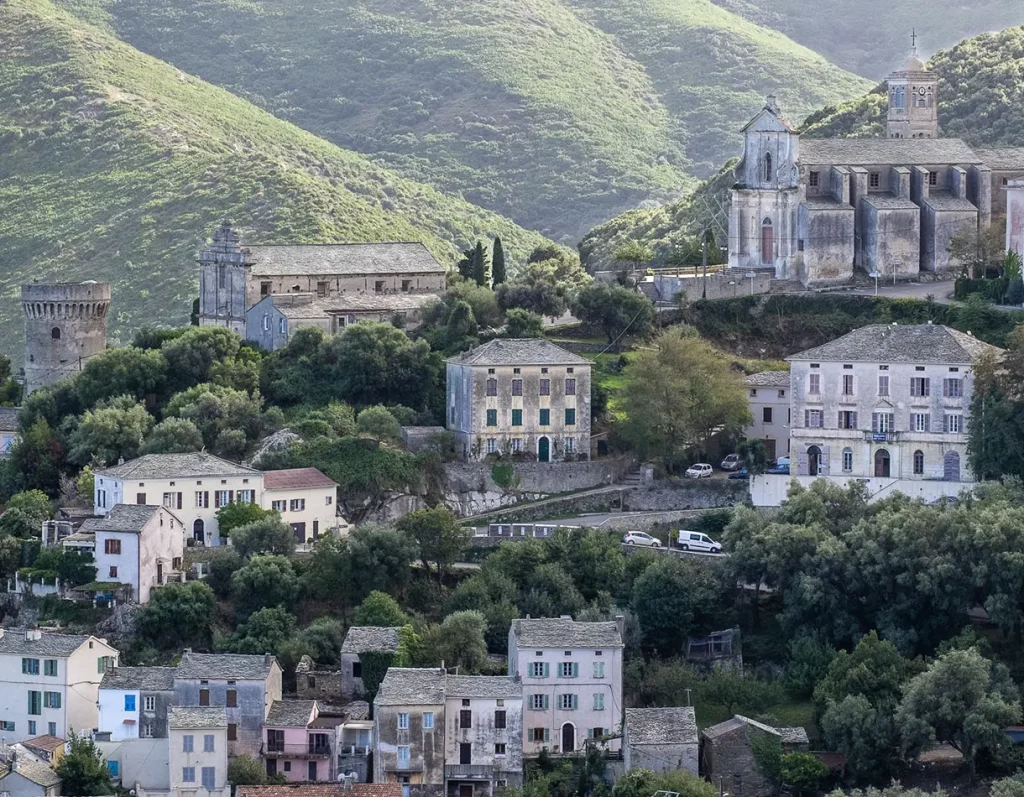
(480, 264)
(498, 275)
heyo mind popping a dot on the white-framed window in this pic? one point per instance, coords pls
(920, 386)
(517, 444)
(403, 756)
(492, 445)
(883, 384)
(599, 669)
(847, 384)
(539, 669)
(266, 322)
(101, 498)
(403, 721)
(568, 702)
(328, 500)
(202, 499)
(847, 419)
(952, 388)
(814, 384)
(881, 422)
(283, 326)
(570, 445)
(149, 703)
(847, 460)
(279, 506)
(568, 669)
(297, 505)
(147, 731)
(172, 500)
(812, 419)
(954, 424)
(918, 463)
(920, 422)
(221, 498)
(428, 720)
(245, 497)
(539, 702)
(599, 701)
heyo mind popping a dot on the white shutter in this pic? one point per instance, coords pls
(823, 462)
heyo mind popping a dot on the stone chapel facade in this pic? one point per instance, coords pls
(814, 210)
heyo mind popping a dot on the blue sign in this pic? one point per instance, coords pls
(879, 437)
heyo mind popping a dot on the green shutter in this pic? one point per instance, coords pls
(545, 417)
(575, 670)
(547, 702)
(575, 701)
(570, 417)
(547, 670)
(517, 417)
(547, 735)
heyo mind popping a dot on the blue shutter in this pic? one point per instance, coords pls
(575, 670)
(547, 702)
(547, 670)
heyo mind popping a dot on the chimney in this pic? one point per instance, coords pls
(620, 623)
(267, 658)
(33, 634)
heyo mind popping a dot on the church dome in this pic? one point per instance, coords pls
(914, 64)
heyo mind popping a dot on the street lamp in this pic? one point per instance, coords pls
(750, 276)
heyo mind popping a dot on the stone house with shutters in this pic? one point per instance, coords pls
(133, 703)
(768, 397)
(198, 751)
(887, 402)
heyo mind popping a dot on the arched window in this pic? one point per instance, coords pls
(55, 333)
(767, 242)
(847, 460)
(919, 463)
(768, 167)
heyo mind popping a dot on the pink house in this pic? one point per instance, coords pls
(296, 745)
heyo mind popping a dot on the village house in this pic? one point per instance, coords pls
(524, 397)
(347, 789)
(572, 682)
(266, 293)
(661, 740)
(306, 499)
(294, 746)
(133, 703)
(363, 639)
(198, 751)
(25, 777)
(728, 754)
(47, 749)
(49, 683)
(768, 397)
(409, 731)
(8, 429)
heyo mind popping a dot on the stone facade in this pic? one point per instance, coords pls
(728, 754)
(768, 396)
(312, 683)
(65, 325)
(661, 739)
(1015, 216)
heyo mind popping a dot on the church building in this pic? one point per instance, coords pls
(815, 209)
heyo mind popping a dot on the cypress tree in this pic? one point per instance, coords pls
(465, 266)
(498, 274)
(480, 264)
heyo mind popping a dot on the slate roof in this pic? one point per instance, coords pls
(735, 723)
(483, 686)
(944, 200)
(794, 735)
(296, 478)
(8, 419)
(170, 466)
(46, 743)
(566, 633)
(144, 679)
(231, 666)
(370, 638)
(405, 686)
(893, 343)
(185, 717)
(343, 259)
(36, 772)
(519, 351)
(393, 789)
(354, 303)
(888, 201)
(123, 517)
(14, 643)
(676, 725)
(885, 151)
(768, 379)
(1002, 159)
(290, 713)
(827, 203)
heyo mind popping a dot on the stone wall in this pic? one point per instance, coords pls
(665, 289)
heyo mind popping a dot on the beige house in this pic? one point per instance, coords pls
(306, 499)
(768, 397)
(520, 397)
(198, 751)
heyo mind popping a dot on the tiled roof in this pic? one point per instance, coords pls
(8, 419)
(13, 642)
(144, 679)
(185, 717)
(170, 466)
(405, 686)
(393, 789)
(768, 379)
(519, 351)
(885, 151)
(348, 259)
(735, 723)
(566, 633)
(893, 343)
(1002, 159)
(122, 517)
(36, 772)
(231, 666)
(45, 743)
(353, 303)
(661, 725)
(794, 735)
(370, 638)
(290, 713)
(296, 478)
(944, 200)
(485, 686)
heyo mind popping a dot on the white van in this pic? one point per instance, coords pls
(695, 541)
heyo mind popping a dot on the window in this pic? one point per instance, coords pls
(517, 387)
(188, 774)
(428, 720)
(321, 288)
(847, 420)
(140, 499)
(403, 756)
(204, 697)
(847, 460)
(279, 506)
(403, 721)
(813, 179)
(112, 766)
(209, 778)
(406, 286)
(357, 669)
(221, 498)
(112, 573)
(814, 384)
(499, 747)
(465, 718)
(328, 500)
(35, 702)
(538, 734)
(51, 699)
(599, 669)
(129, 702)
(570, 445)
(187, 743)
(30, 666)
(492, 445)
(545, 387)
(7, 725)
(172, 500)
(933, 178)
(297, 505)
(812, 419)
(570, 387)
(753, 392)
(492, 387)
(492, 417)
(231, 698)
(881, 422)
(570, 417)
(32, 727)
(51, 728)
(952, 388)
(766, 414)
(50, 667)
(920, 422)
(782, 394)
(875, 180)
(378, 286)
(103, 663)
(599, 702)
(500, 719)
(918, 463)
(517, 444)
(539, 702)
(920, 386)
(112, 547)
(568, 669)
(767, 167)
(568, 702)
(545, 418)
(202, 500)
(883, 385)
(149, 703)
(243, 497)
(847, 384)
(232, 731)
(517, 417)
(954, 424)
(208, 743)
(538, 669)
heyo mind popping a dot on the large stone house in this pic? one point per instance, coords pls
(886, 402)
(813, 210)
(265, 293)
(524, 397)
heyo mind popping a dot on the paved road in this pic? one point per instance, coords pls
(941, 292)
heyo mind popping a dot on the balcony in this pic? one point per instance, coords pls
(468, 771)
(279, 750)
(404, 766)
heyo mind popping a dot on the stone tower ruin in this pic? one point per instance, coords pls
(65, 325)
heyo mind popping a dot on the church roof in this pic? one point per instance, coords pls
(895, 343)
(771, 115)
(1002, 158)
(886, 151)
(944, 200)
(889, 201)
(343, 259)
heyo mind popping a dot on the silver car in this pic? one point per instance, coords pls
(641, 538)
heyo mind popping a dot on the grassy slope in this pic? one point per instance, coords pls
(114, 166)
(556, 113)
(872, 37)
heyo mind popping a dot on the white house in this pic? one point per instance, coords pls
(768, 397)
(198, 751)
(49, 682)
(572, 681)
(133, 703)
(140, 546)
(306, 499)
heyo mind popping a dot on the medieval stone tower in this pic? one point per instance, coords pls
(913, 100)
(224, 266)
(65, 325)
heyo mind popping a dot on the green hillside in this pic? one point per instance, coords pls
(872, 37)
(556, 113)
(114, 166)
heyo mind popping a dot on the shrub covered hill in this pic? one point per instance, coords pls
(556, 113)
(114, 166)
(981, 88)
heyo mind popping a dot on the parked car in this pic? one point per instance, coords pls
(781, 466)
(731, 462)
(742, 473)
(695, 541)
(640, 538)
(701, 470)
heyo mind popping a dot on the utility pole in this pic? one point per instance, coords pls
(704, 260)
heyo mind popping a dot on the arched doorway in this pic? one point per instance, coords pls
(568, 737)
(882, 466)
(544, 450)
(951, 466)
(813, 460)
(199, 531)
(767, 242)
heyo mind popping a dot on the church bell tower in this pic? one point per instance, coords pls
(913, 99)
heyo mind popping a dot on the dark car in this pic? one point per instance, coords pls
(742, 473)
(778, 470)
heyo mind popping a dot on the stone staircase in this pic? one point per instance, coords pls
(630, 479)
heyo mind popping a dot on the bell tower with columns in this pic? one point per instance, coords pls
(913, 99)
